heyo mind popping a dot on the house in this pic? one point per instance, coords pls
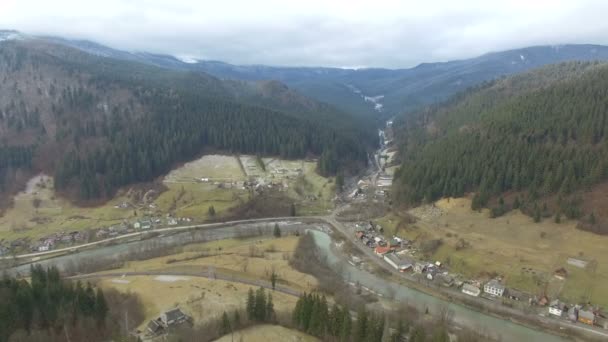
(431, 272)
(446, 279)
(395, 243)
(557, 308)
(400, 264)
(172, 221)
(173, 317)
(143, 224)
(586, 316)
(560, 273)
(44, 248)
(380, 251)
(494, 288)
(573, 313)
(155, 327)
(67, 239)
(419, 267)
(471, 290)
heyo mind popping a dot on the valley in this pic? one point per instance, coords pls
(265, 203)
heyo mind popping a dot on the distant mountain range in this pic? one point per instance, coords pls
(402, 90)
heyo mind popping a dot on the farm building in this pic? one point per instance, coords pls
(400, 264)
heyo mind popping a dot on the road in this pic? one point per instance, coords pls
(72, 249)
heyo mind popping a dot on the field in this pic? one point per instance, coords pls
(524, 253)
(37, 211)
(244, 258)
(266, 333)
(201, 298)
(188, 191)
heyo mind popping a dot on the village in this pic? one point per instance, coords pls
(404, 256)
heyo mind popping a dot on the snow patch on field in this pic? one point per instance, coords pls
(121, 281)
(170, 279)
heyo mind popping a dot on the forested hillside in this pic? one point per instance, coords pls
(542, 133)
(98, 123)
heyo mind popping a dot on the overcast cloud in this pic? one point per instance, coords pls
(340, 33)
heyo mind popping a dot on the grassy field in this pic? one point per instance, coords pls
(205, 298)
(266, 333)
(524, 253)
(201, 298)
(248, 258)
(213, 167)
(52, 214)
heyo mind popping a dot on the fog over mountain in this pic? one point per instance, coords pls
(338, 33)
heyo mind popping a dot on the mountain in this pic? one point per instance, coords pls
(542, 134)
(351, 90)
(97, 123)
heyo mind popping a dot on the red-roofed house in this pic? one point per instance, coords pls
(380, 251)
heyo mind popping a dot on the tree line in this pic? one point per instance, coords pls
(48, 303)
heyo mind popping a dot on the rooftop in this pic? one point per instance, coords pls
(495, 284)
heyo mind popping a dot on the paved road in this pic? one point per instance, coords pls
(208, 275)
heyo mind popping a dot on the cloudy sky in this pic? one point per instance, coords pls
(341, 33)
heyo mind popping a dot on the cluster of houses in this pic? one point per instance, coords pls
(394, 252)
(49, 242)
(167, 320)
(64, 238)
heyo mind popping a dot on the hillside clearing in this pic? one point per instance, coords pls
(525, 253)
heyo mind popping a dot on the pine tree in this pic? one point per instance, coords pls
(346, 327)
(270, 314)
(236, 319)
(273, 279)
(516, 203)
(251, 309)
(592, 219)
(211, 211)
(260, 305)
(225, 327)
(558, 217)
(277, 231)
(101, 307)
(292, 210)
(361, 328)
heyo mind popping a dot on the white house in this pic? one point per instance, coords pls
(556, 308)
(471, 290)
(494, 288)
